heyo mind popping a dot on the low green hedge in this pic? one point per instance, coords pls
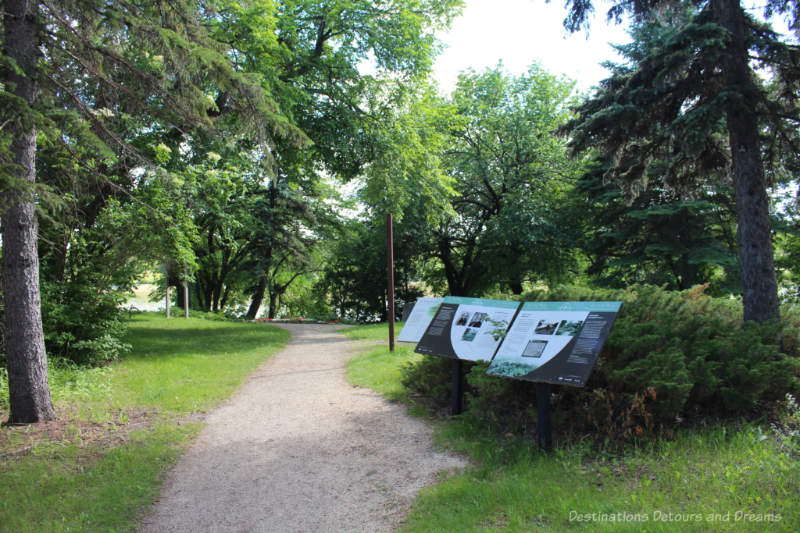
(672, 357)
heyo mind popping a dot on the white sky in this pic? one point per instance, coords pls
(521, 32)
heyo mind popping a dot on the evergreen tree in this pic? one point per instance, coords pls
(689, 102)
(660, 238)
(120, 68)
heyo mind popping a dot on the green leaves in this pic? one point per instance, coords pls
(510, 173)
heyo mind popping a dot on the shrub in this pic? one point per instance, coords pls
(429, 381)
(82, 324)
(671, 356)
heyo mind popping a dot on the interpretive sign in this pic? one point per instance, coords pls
(467, 328)
(417, 322)
(555, 342)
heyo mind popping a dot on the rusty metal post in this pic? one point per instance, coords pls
(390, 270)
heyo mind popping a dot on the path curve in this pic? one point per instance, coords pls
(298, 449)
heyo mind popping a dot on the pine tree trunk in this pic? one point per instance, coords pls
(759, 285)
(29, 392)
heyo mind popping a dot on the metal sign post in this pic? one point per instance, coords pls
(544, 422)
(457, 400)
(390, 271)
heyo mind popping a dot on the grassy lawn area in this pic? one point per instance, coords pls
(707, 479)
(373, 369)
(121, 427)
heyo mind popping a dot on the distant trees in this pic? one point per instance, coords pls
(476, 181)
(510, 174)
(134, 106)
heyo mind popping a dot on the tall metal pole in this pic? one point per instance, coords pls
(185, 299)
(457, 394)
(390, 269)
(544, 421)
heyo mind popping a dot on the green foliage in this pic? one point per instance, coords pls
(510, 173)
(661, 237)
(708, 470)
(671, 357)
(354, 277)
(688, 109)
(428, 381)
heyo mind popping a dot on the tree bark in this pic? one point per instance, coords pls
(759, 285)
(258, 298)
(273, 304)
(29, 392)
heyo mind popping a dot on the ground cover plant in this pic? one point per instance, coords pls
(122, 426)
(715, 476)
(672, 357)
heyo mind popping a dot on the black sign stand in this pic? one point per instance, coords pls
(458, 387)
(544, 421)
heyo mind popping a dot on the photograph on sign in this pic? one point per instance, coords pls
(554, 342)
(421, 316)
(468, 328)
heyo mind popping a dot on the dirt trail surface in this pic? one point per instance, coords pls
(298, 449)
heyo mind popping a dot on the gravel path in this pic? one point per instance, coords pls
(298, 449)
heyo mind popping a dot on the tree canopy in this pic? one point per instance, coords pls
(251, 151)
(689, 102)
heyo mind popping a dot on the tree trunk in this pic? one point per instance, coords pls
(759, 285)
(29, 392)
(273, 304)
(180, 295)
(258, 298)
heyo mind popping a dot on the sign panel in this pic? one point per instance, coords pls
(555, 342)
(417, 322)
(467, 328)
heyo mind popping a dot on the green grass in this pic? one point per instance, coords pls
(98, 472)
(63, 487)
(373, 332)
(704, 477)
(380, 370)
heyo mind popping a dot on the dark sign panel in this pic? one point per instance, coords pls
(419, 319)
(467, 328)
(555, 342)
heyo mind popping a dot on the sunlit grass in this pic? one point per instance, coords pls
(380, 370)
(94, 470)
(373, 332)
(706, 479)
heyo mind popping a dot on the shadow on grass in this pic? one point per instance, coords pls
(158, 342)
